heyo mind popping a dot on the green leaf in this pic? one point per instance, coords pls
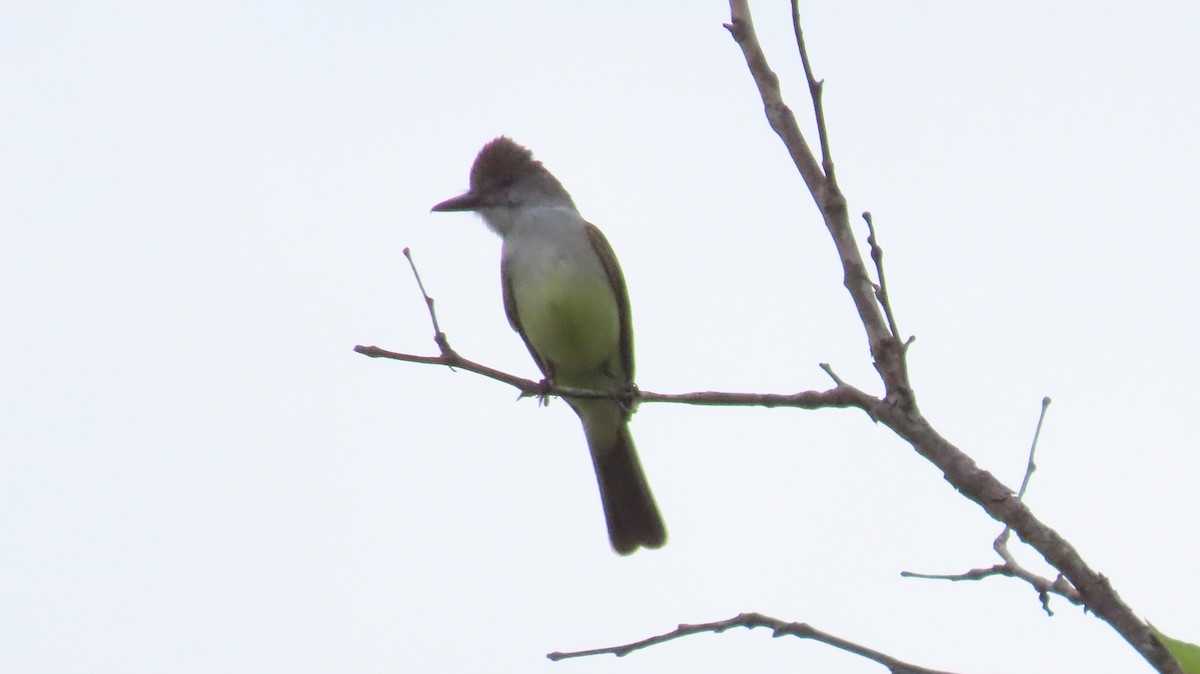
(1187, 655)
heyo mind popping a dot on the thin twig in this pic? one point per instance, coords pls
(815, 89)
(1044, 586)
(778, 628)
(885, 302)
(439, 337)
(842, 385)
(779, 116)
(1010, 566)
(882, 291)
(832, 375)
(1037, 433)
(1030, 466)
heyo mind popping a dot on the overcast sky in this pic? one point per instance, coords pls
(204, 206)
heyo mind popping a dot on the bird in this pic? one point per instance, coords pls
(565, 295)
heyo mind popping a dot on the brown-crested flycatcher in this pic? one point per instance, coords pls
(565, 295)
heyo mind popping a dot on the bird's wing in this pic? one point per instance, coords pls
(616, 279)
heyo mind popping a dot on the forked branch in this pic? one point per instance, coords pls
(902, 414)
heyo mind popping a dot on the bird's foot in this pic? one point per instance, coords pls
(543, 392)
(629, 395)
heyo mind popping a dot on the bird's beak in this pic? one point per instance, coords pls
(468, 201)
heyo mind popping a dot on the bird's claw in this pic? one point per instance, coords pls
(543, 392)
(628, 395)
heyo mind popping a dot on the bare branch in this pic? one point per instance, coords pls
(900, 411)
(1044, 586)
(815, 88)
(778, 628)
(778, 114)
(1002, 505)
(453, 360)
(1030, 466)
(1037, 433)
(885, 302)
(828, 198)
(1010, 567)
(439, 337)
(841, 396)
(881, 293)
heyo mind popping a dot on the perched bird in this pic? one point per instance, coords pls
(565, 295)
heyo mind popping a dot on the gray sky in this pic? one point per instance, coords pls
(204, 206)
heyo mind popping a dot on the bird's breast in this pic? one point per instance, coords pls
(567, 309)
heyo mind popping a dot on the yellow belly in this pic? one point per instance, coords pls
(572, 321)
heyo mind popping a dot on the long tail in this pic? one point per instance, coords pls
(629, 507)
